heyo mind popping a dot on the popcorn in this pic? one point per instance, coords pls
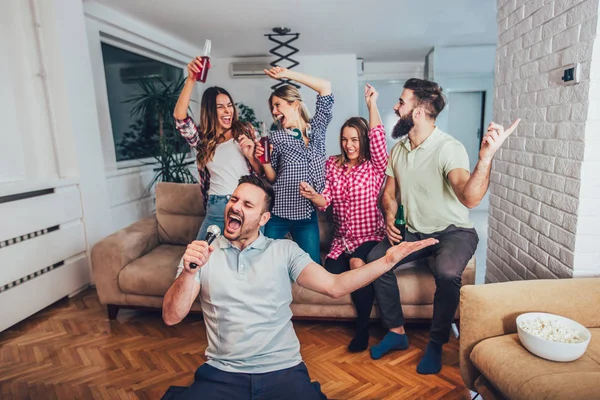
(550, 329)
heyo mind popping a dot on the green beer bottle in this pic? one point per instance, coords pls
(400, 222)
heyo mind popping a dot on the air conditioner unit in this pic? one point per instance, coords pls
(248, 69)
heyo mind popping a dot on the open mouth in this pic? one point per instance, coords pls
(281, 118)
(226, 120)
(234, 222)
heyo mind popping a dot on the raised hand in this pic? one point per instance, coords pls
(493, 139)
(278, 73)
(194, 67)
(396, 253)
(308, 191)
(371, 96)
(197, 252)
(247, 146)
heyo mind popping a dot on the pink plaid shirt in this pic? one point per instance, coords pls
(355, 194)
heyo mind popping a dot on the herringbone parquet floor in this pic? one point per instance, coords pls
(72, 351)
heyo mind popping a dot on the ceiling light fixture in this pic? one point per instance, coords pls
(283, 38)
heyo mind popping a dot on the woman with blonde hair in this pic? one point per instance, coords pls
(353, 181)
(225, 146)
(298, 156)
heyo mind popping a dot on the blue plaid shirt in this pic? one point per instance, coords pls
(296, 162)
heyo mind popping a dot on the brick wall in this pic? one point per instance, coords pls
(536, 179)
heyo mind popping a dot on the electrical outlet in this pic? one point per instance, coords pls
(571, 74)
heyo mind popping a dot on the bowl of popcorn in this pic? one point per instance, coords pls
(552, 337)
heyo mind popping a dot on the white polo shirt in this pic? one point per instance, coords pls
(246, 297)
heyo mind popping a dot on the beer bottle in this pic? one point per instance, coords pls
(400, 222)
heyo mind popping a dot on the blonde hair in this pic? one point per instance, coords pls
(290, 94)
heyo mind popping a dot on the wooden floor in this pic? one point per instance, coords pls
(72, 351)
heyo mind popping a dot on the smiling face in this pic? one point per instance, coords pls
(286, 113)
(225, 111)
(351, 143)
(245, 213)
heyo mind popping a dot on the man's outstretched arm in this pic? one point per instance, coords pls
(318, 279)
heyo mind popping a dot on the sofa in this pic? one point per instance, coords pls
(134, 267)
(495, 364)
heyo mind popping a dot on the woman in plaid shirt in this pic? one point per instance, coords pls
(353, 182)
(224, 145)
(298, 156)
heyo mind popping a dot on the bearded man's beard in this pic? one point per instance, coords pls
(403, 126)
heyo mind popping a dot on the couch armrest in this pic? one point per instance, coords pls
(491, 310)
(114, 252)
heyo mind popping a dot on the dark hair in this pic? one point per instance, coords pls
(428, 95)
(362, 127)
(264, 185)
(209, 123)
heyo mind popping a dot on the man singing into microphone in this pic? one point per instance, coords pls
(244, 282)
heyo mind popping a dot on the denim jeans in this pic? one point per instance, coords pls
(305, 232)
(215, 214)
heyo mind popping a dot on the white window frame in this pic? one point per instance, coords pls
(105, 26)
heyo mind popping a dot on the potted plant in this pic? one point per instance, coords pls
(153, 133)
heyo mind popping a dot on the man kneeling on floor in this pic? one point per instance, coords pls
(244, 281)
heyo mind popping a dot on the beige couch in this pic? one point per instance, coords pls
(134, 267)
(495, 364)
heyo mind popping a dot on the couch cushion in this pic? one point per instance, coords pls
(518, 374)
(416, 285)
(153, 273)
(179, 212)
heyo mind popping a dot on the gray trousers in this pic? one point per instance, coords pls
(455, 248)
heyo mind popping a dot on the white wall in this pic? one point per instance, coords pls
(587, 251)
(544, 204)
(51, 135)
(126, 182)
(255, 92)
(465, 69)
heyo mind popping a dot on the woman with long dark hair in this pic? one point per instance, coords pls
(225, 146)
(298, 156)
(353, 180)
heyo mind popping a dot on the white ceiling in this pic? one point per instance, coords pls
(376, 30)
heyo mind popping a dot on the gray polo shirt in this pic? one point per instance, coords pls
(246, 297)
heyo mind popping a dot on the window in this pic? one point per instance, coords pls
(131, 79)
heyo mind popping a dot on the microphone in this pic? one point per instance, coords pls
(212, 233)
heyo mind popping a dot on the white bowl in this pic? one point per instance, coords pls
(554, 351)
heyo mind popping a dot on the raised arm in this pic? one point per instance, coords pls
(371, 96)
(179, 298)
(318, 279)
(321, 86)
(183, 103)
(470, 188)
(377, 143)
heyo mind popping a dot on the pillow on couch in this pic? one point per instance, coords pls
(179, 212)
